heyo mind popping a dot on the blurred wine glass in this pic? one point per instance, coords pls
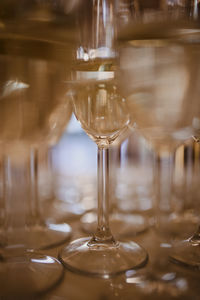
(36, 41)
(159, 72)
(186, 252)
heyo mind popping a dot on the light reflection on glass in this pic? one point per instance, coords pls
(13, 85)
(47, 260)
(135, 280)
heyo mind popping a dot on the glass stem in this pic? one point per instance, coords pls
(103, 233)
(17, 195)
(195, 239)
(163, 175)
(36, 210)
(20, 193)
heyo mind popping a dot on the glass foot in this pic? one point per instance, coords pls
(102, 260)
(186, 253)
(25, 274)
(38, 237)
(121, 224)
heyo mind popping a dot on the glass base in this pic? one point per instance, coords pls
(121, 224)
(102, 260)
(25, 273)
(37, 237)
(186, 253)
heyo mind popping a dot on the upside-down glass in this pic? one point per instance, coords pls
(34, 52)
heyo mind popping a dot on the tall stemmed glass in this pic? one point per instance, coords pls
(40, 235)
(103, 114)
(24, 117)
(159, 73)
(98, 29)
(187, 252)
(32, 59)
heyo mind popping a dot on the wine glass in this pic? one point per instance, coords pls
(123, 221)
(40, 235)
(158, 76)
(185, 187)
(99, 43)
(186, 252)
(103, 115)
(32, 60)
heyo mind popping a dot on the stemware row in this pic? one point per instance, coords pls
(147, 74)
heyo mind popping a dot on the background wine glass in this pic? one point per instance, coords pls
(159, 67)
(32, 71)
(186, 252)
(185, 190)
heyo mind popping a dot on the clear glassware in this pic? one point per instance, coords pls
(159, 62)
(103, 115)
(184, 192)
(33, 82)
(124, 219)
(34, 50)
(18, 233)
(100, 43)
(186, 252)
